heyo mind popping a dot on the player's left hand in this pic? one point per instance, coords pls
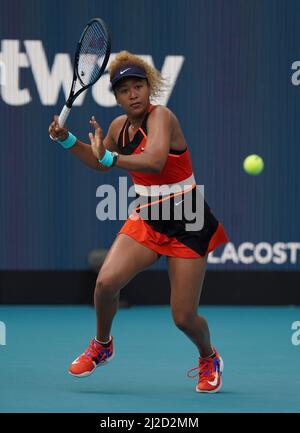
(96, 140)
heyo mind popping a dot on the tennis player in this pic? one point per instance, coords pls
(148, 142)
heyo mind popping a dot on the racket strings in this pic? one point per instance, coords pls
(92, 54)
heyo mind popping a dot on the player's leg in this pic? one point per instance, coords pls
(186, 278)
(125, 259)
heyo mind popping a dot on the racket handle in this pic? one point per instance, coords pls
(63, 116)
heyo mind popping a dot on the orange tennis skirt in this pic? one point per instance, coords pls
(170, 237)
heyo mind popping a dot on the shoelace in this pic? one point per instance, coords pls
(205, 366)
(91, 350)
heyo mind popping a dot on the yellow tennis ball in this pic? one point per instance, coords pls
(253, 165)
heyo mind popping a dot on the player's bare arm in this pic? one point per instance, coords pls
(153, 158)
(81, 150)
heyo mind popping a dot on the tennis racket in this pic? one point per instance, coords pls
(91, 57)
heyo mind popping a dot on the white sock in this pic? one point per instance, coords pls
(103, 342)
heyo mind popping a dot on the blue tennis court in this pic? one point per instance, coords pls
(173, 128)
(148, 373)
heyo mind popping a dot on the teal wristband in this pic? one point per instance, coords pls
(68, 142)
(107, 159)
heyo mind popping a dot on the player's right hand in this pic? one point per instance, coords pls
(56, 132)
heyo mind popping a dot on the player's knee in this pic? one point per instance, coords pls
(106, 286)
(183, 319)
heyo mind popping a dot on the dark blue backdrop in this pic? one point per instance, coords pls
(235, 94)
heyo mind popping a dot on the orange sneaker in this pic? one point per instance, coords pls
(210, 373)
(95, 356)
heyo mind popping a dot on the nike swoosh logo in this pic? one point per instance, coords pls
(176, 204)
(123, 72)
(215, 381)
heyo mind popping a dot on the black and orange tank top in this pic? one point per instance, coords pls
(178, 166)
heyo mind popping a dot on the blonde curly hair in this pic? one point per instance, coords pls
(156, 81)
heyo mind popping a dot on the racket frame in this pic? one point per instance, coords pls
(72, 96)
